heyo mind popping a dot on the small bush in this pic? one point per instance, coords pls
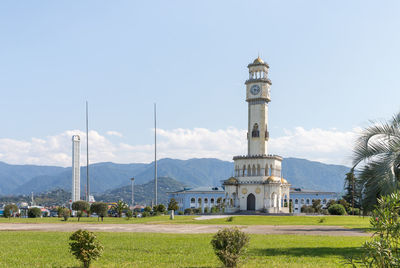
(356, 211)
(34, 213)
(85, 247)
(197, 210)
(65, 213)
(188, 211)
(129, 214)
(229, 219)
(206, 210)
(160, 208)
(145, 214)
(180, 213)
(337, 209)
(229, 244)
(307, 209)
(214, 210)
(147, 209)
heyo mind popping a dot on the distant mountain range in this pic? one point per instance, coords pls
(143, 193)
(104, 177)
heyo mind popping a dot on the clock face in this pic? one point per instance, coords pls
(255, 89)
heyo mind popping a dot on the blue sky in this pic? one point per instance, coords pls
(333, 65)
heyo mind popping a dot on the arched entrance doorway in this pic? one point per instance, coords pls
(251, 202)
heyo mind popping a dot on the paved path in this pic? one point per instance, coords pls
(184, 228)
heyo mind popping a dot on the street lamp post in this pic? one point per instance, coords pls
(132, 179)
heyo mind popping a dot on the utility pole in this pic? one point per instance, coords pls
(155, 154)
(352, 179)
(133, 203)
(87, 153)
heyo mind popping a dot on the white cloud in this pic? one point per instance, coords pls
(114, 133)
(329, 146)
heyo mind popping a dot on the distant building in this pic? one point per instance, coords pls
(199, 197)
(300, 197)
(76, 174)
(202, 197)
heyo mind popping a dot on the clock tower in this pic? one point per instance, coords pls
(258, 183)
(257, 96)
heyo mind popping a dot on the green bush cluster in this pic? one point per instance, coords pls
(34, 213)
(337, 209)
(85, 247)
(229, 244)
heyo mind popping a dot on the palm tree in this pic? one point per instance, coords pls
(120, 207)
(377, 157)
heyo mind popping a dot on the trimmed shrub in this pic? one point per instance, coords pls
(229, 244)
(100, 208)
(180, 213)
(147, 209)
(65, 213)
(206, 210)
(85, 247)
(356, 211)
(145, 214)
(34, 213)
(160, 208)
(80, 206)
(129, 214)
(337, 209)
(188, 211)
(9, 210)
(307, 209)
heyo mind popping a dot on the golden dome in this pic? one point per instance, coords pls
(258, 61)
(273, 179)
(284, 181)
(231, 180)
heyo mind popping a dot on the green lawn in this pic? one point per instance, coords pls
(346, 221)
(50, 249)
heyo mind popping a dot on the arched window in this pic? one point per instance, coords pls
(258, 170)
(296, 201)
(248, 170)
(212, 200)
(302, 201)
(199, 200)
(192, 200)
(205, 200)
(254, 172)
(255, 133)
(308, 201)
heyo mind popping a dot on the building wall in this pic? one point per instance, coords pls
(184, 199)
(306, 199)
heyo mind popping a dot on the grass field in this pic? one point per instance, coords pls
(50, 249)
(346, 221)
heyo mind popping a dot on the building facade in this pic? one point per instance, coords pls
(258, 183)
(76, 169)
(304, 197)
(200, 197)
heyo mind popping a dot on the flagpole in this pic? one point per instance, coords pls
(87, 153)
(155, 154)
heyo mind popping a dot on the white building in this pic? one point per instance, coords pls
(258, 182)
(76, 174)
